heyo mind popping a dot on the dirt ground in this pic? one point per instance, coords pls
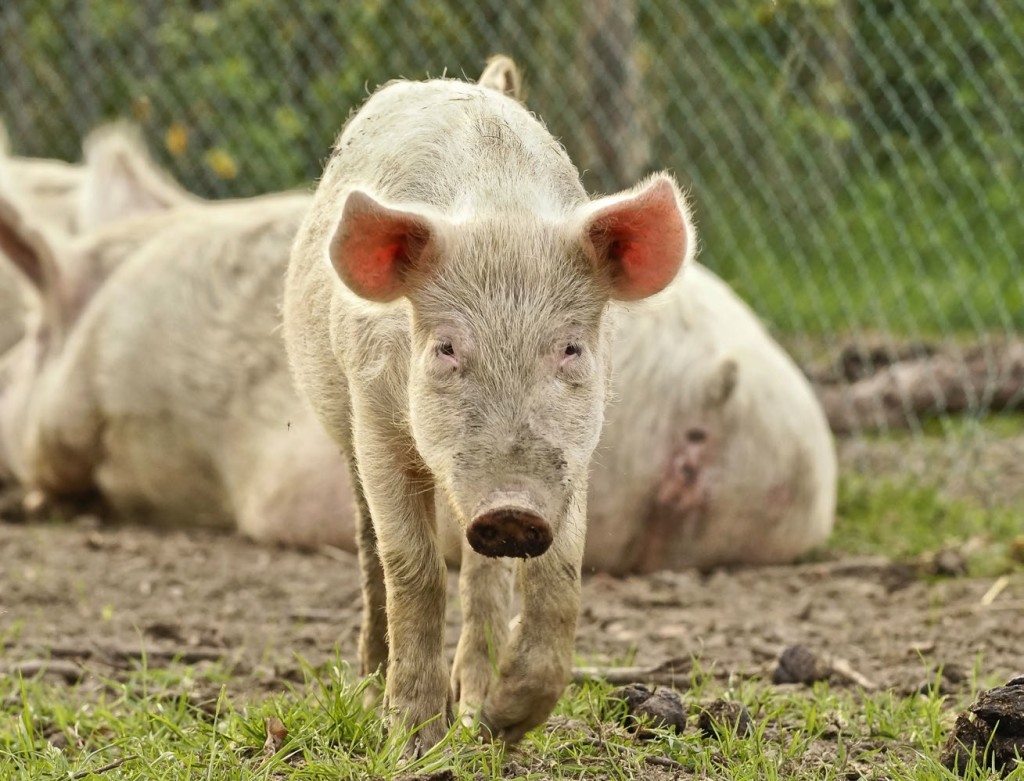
(92, 596)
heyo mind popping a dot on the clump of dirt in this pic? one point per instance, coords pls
(720, 715)
(799, 664)
(644, 708)
(991, 733)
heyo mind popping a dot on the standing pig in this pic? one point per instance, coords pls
(444, 315)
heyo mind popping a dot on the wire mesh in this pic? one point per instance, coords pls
(854, 166)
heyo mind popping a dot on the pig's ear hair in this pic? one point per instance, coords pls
(641, 237)
(374, 247)
(501, 74)
(121, 178)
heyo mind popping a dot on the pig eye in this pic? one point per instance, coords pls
(446, 348)
(572, 349)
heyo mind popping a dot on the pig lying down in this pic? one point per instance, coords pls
(117, 179)
(445, 315)
(152, 371)
(715, 448)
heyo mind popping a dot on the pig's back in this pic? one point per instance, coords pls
(461, 148)
(189, 360)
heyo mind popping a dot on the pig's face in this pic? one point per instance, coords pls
(509, 363)
(508, 379)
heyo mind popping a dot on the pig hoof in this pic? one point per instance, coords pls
(506, 532)
(425, 738)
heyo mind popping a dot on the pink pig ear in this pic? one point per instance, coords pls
(641, 236)
(375, 246)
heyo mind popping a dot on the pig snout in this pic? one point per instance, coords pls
(510, 531)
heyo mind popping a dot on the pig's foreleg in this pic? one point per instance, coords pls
(485, 593)
(401, 504)
(537, 662)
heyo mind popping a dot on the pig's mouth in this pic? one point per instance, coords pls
(508, 528)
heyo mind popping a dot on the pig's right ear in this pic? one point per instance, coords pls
(27, 248)
(722, 383)
(501, 74)
(375, 247)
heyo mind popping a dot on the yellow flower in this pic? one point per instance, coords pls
(222, 163)
(176, 139)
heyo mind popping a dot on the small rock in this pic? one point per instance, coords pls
(440, 775)
(1004, 704)
(59, 740)
(725, 714)
(633, 694)
(799, 664)
(661, 708)
(950, 563)
(992, 732)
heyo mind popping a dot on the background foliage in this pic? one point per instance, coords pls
(854, 165)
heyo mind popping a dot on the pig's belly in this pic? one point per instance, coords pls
(156, 473)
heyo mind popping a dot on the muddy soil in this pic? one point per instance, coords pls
(80, 590)
(90, 597)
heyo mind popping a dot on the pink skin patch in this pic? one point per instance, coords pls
(682, 501)
(376, 273)
(567, 359)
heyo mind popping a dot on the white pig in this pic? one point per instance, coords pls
(445, 316)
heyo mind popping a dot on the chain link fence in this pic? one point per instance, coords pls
(855, 166)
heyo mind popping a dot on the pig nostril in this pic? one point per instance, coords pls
(488, 533)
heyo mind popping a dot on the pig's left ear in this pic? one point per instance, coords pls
(641, 237)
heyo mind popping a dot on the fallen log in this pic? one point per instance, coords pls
(905, 393)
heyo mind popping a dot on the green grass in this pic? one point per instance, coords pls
(919, 255)
(153, 721)
(878, 513)
(902, 520)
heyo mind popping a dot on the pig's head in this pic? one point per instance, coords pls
(509, 363)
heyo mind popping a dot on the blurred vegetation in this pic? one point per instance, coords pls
(854, 165)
